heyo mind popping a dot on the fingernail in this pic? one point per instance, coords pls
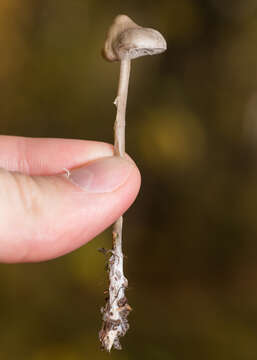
(102, 175)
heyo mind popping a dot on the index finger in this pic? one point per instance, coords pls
(45, 156)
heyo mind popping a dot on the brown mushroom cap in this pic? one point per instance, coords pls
(127, 40)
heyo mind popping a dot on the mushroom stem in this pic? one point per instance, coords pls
(121, 102)
(116, 309)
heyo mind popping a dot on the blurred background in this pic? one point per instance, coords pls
(190, 238)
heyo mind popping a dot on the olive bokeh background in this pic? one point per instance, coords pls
(190, 238)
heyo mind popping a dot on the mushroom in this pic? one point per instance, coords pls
(125, 41)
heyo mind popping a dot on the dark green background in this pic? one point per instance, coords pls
(190, 238)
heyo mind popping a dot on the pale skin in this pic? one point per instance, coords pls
(44, 214)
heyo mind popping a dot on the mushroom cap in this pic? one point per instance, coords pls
(127, 40)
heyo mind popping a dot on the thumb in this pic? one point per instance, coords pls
(43, 217)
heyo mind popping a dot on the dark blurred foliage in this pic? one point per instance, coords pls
(190, 238)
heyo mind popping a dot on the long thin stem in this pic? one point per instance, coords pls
(121, 102)
(116, 310)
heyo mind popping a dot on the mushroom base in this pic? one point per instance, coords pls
(116, 309)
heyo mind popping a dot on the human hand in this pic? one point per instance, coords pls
(57, 194)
